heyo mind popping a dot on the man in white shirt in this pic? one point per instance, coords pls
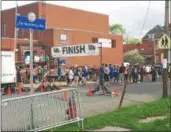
(106, 73)
(27, 60)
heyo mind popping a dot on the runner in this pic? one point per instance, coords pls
(103, 82)
(121, 73)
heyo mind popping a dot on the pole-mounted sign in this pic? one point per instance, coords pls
(164, 42)
(32, 23)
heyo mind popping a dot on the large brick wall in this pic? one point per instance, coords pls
(56, 17)
(83, 27)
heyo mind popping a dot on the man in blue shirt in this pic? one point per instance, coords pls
(111, 74)
(84, 75)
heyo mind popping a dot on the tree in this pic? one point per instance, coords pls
(133, 41)
(117, 29)
(133, 57)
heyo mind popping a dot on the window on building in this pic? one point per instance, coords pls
(22, 32)
(94, 40)
(4, 29)
(113, 43)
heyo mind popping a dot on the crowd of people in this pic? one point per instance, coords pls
(112, 73)
(79, 75)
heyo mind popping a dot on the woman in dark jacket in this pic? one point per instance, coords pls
(153, 72)
(18, 75)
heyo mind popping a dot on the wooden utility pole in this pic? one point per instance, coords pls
(165, 71)
(123, 93)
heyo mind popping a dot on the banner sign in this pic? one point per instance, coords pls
(75, 50)
(24, 22)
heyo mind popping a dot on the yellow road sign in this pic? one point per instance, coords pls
(164, 42)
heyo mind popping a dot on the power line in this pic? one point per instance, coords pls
(145, 17)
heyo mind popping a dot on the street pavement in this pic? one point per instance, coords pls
(99, 103)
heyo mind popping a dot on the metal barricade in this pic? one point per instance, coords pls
(42, 111)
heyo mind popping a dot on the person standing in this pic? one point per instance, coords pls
(126, 73)
(106, 73)
(111, 74)
(130, 74)
(27, 75)
(35, 74)
(153, 72)
(148, 71)
(19, 79)
(135, 74)
(59, 73)
(121, 73)
(84, 75)
(116, 74)
(67, 75)
(141, 73)
(101, 75)
(80, 74)
(70, 76)
(40, 73)
(101, 79)
(76, 74)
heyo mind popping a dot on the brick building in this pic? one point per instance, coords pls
(79, 27)
(146, 47)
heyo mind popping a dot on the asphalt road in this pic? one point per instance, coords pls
(54, 109)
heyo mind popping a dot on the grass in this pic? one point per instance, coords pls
(128, 117)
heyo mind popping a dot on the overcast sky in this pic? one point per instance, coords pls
(130, 14)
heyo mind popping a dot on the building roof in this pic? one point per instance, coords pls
(157, 30)
(43, 2)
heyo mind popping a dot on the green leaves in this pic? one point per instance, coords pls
(133, 57)
(133, 41)
(117, 29)
(128, 117)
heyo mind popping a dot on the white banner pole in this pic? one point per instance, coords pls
(31, 61)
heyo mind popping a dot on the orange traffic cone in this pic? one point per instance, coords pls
(19, 89)
(89, 92)
(65, 96)
(41, 88)
(115, 91)
(9, 91)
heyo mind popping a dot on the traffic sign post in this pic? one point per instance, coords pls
(32, 23)
(164, 42)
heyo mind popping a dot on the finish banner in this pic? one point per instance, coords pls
(75, 50)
